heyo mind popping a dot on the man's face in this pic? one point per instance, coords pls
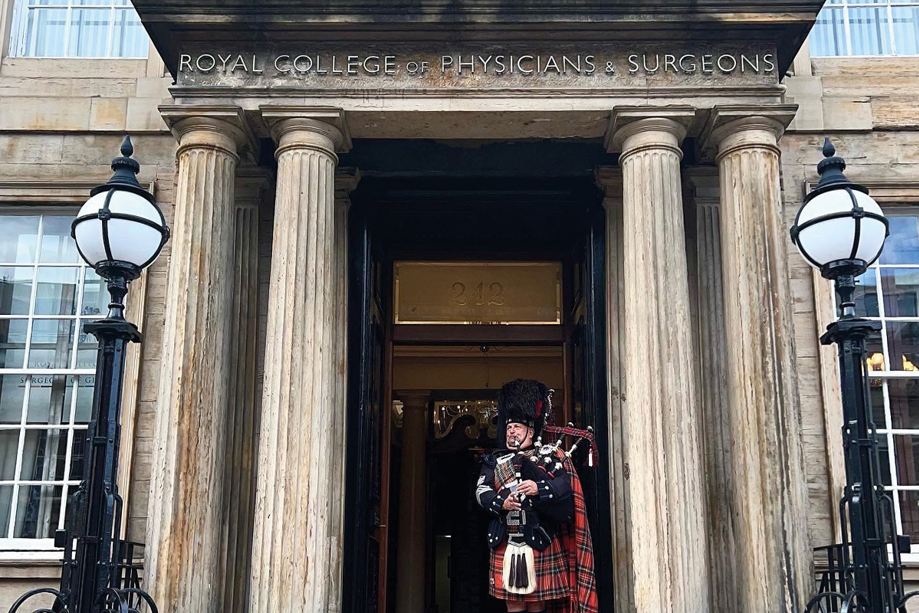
(518, 435)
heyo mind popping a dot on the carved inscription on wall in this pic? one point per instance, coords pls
(487, 66)
(477, 292)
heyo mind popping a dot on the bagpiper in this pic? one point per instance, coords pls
(541, 551)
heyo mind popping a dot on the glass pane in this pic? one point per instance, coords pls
(884, 459)
(50, 399)
(13, 342)
(869, 30)
(9, 449)
(84, 399)
(12, 393)
(906, 29)
(903, 345)
(87, 348)
(876, 391)
(6, 504)
(904, 403)
(15, 289)
(902, 246)
(76, 456)
(38, 511)
(57, 247)
(95, 295)
(89, 31)
(875, 352)
(901, 291)
(51, 343)
(129, 36)
(907, 454)
(18, 238)
(828, 38)
(45, 36)
(43, 455)
(57, 291)
(866, 295)
(909, 513)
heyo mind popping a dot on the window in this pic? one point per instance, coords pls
(47, 368)
(866, 27)
(78, 28)
(889, 293)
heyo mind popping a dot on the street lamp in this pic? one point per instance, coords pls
(840, 230)
(119, 232)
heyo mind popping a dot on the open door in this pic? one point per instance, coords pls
(368, 418)
(589, 405)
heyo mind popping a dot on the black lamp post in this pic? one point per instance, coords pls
(119, 232)
(841, 231)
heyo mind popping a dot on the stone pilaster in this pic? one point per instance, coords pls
(292, 546)
(711, 364)
(243, 408)
(345, 182)
(410, 566)
(187, 483)
(772, 566)
(663, 458)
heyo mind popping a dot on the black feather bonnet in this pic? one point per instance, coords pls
(522, 401)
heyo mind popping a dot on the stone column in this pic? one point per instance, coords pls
(242, 419)
(772, 567)
(410, 566)
(345, 182)
(292, 545)
(660, 405)
(187, 481)
(715, 417)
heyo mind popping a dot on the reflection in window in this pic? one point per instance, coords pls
(78, 28)
(889, 292)
(47, 366)
(856, 27)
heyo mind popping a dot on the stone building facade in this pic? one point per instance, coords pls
(294, 411)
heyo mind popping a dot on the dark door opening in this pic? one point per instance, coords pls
(483, 220)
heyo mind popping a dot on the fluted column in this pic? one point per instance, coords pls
(187, 481)
(292, 548)
(242, 418)
(410, 566)
(772, 564)
(715, 417)
(345, 181)
(663, 452)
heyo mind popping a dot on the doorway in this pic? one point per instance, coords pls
(521, 266)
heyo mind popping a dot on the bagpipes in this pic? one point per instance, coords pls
(547, 457)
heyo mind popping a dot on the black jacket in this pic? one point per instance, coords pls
(545, 512)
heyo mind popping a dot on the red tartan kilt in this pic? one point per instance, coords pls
(551, 568)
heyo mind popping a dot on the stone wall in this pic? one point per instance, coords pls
(867, 107)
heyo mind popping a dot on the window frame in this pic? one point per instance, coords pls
(19, 32)
(40, 198)
(844, 6)
(891, 195)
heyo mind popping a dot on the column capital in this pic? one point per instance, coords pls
(730, 126)
(609, 179)
(414, 399)
(217, 126)
(322, 128)
(346, 180)
(628, 121)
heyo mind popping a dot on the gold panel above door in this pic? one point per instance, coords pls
(478, 292)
